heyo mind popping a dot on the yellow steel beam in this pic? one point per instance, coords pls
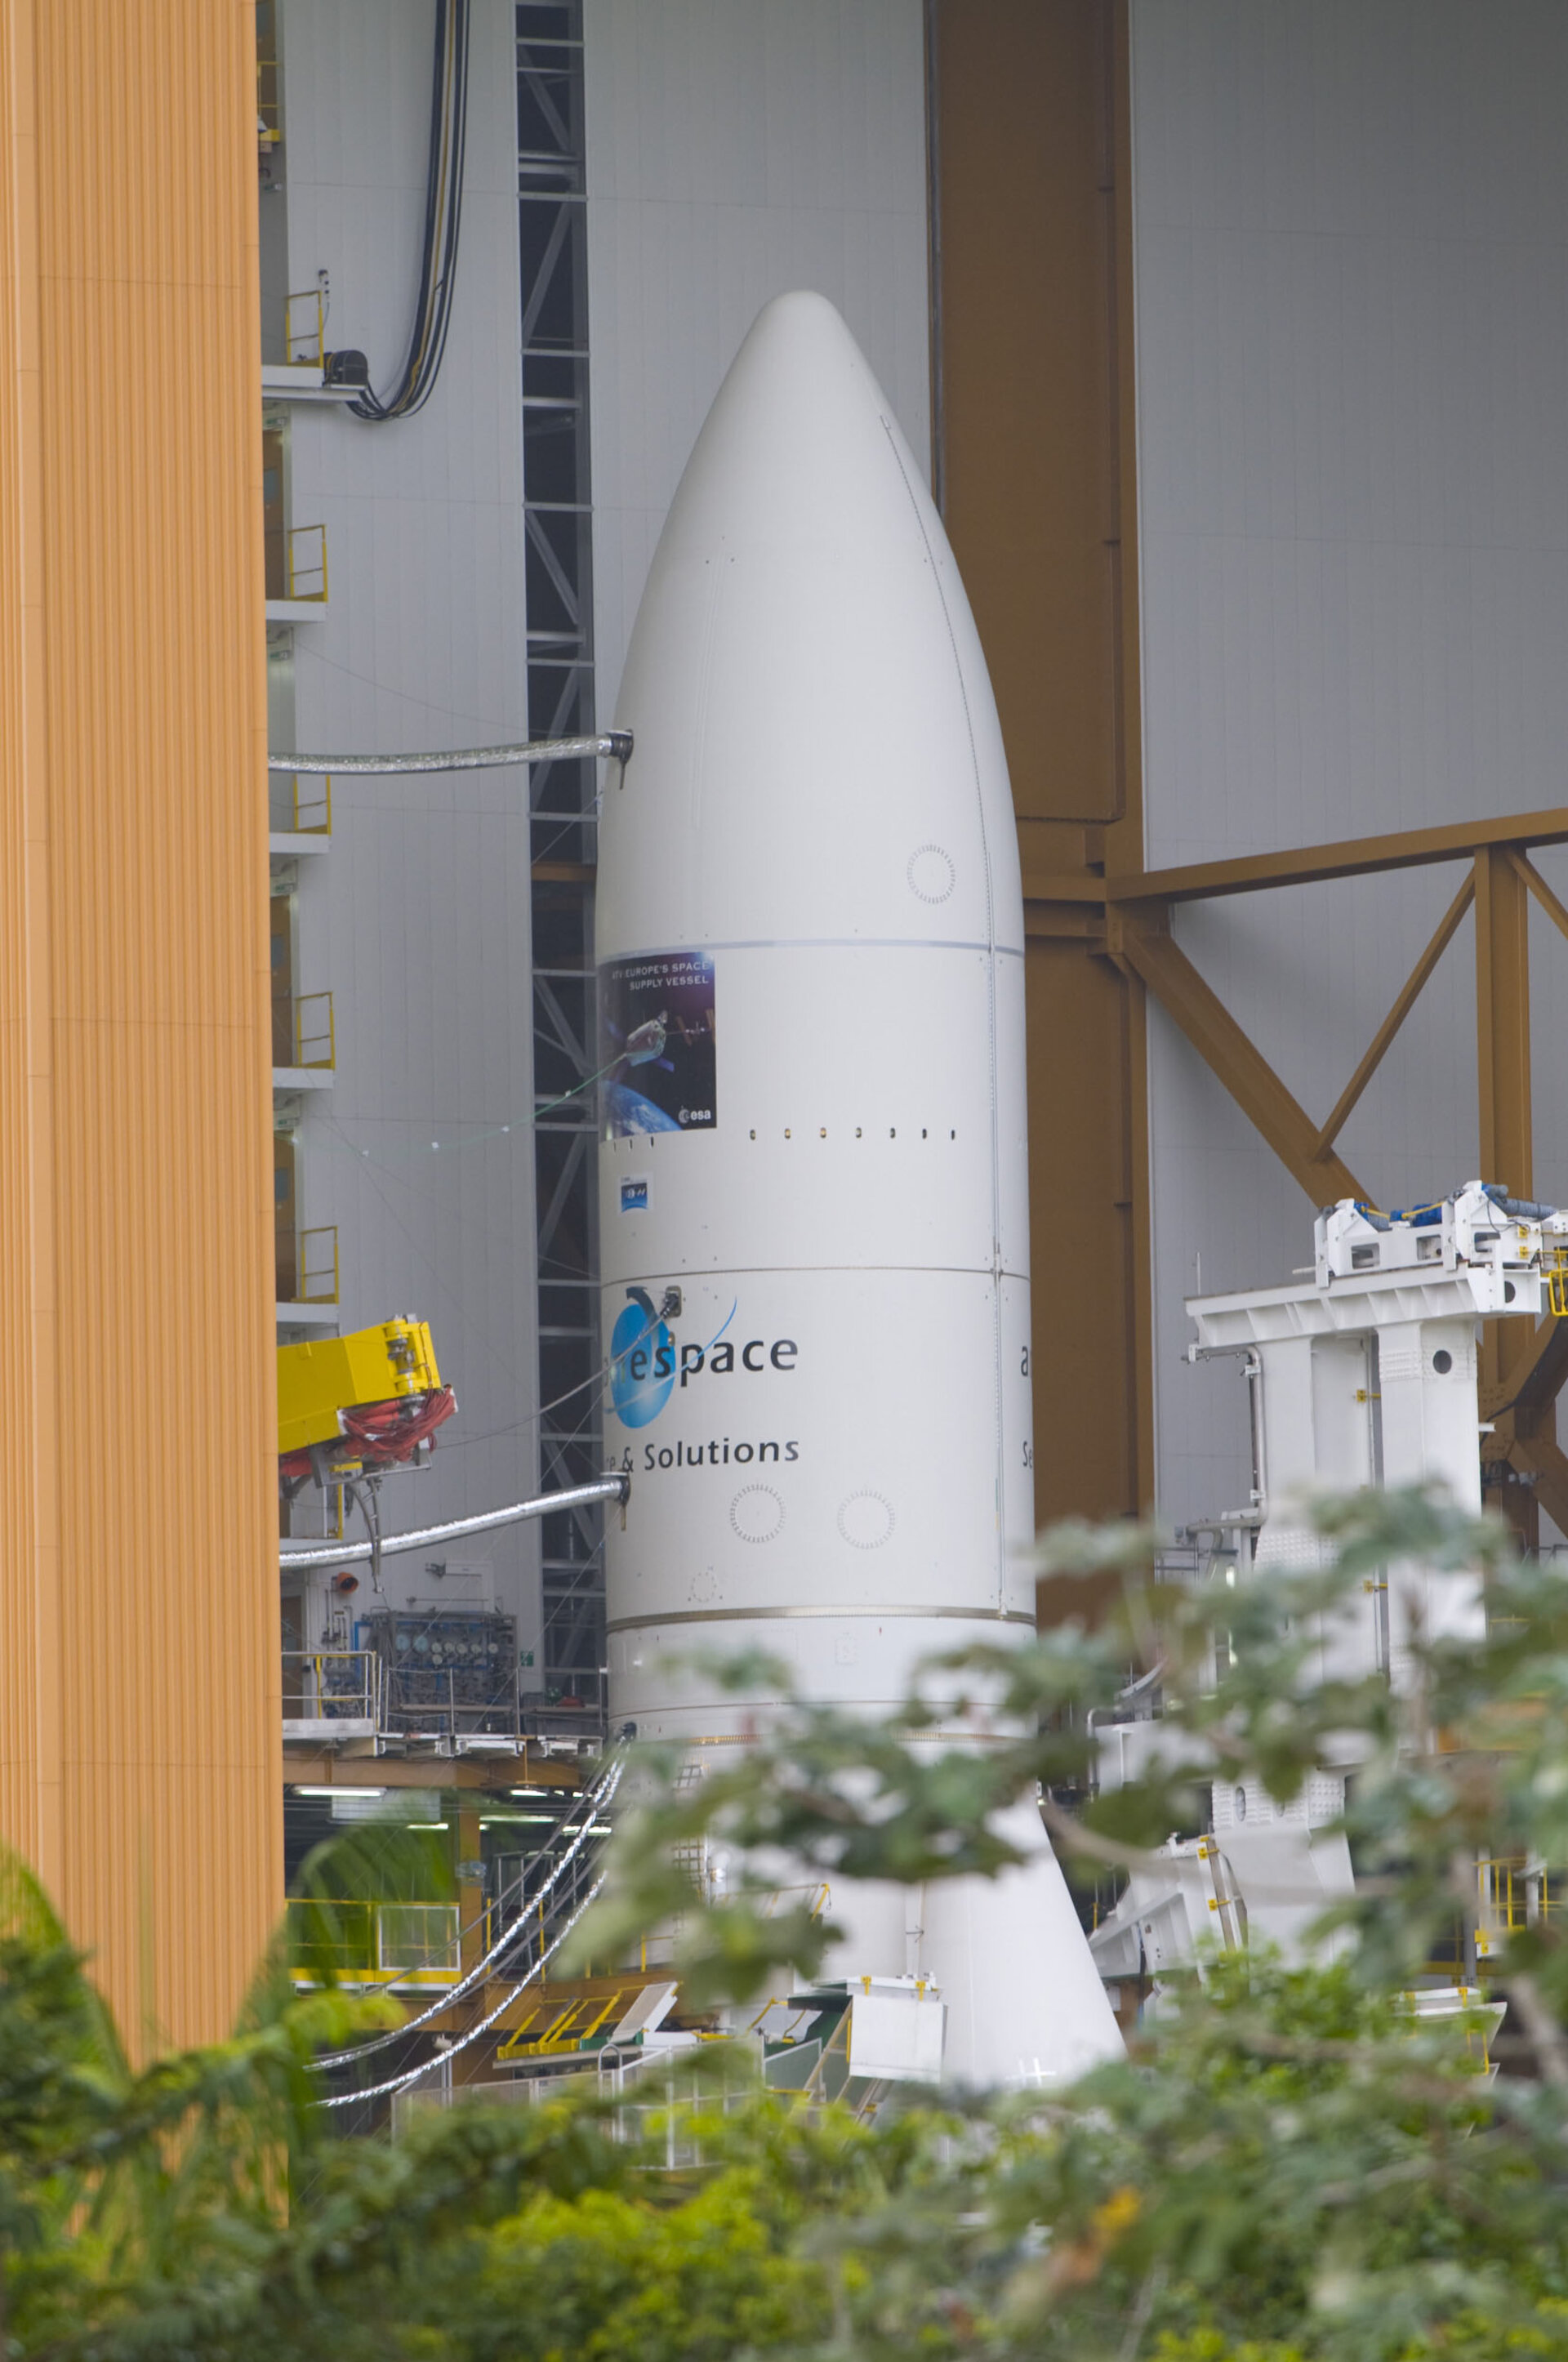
(1143, 949)
(1540, 1456)
(320, 1766)
(1536, 1370)
(1537, 886)
(1502, 1019)
(1535, 1374)
(1502, 1062)
(1357, 857)
(1310, 865)
(1132, 906)
(1408, 996)
(471, 1890)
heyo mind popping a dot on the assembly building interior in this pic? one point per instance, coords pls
(344, 419)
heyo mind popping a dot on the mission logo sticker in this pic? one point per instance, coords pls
(648, 1364)
(656, 1044)
(633, 1195)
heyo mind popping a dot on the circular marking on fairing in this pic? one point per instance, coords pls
(931, 873)
(704, 1586)
(865, 1520)
(756, 1513)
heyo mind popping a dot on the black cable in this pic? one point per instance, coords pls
(443, 221)
(370, 405)
(458, 123)
(446, 282)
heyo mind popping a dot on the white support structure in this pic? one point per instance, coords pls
(1365, 1375)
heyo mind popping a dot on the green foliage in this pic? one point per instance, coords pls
(612, 2277)
(1290, 2166)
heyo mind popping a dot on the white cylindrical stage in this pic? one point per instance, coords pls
(813, 1179)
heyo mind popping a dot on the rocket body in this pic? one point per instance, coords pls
(813, 1207)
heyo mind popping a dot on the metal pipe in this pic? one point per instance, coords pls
(615, 745)
(1253, 1371)
(614, 1487)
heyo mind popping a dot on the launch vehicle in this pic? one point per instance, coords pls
(813, 1209)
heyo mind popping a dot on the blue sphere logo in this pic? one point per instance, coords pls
(642, 1361)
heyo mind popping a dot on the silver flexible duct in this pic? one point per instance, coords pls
(596, 1800)
(614, 746)
(597, 1797)
(402, 2083)
(615, 1487)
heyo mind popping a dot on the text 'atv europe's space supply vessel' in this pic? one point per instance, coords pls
(814, 1212)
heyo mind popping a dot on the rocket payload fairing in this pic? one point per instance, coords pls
(813, 1199)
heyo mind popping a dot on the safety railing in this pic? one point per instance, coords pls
(1555, 1270)
(359, 1943)
(313, 810)
(269, 104)
(318, 1265)
(1513, 1894)
(306, 562)
(662, 2102)
(450, 1702)
(305, 328)
(269, 79)
(315, 1031)
(332, 1685)
(419, 1942)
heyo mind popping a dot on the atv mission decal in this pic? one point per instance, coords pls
(657, 1043)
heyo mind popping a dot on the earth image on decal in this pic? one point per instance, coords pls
(657, 1048)
(642, 1361)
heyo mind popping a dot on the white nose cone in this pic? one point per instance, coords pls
(814, 1185)
(803, 600)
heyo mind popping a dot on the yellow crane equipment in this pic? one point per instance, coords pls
(365, 1401)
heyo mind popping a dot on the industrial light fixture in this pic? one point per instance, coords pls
(339, 1792)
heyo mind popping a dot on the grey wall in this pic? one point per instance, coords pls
(735, 151)
(418, 918)
(1352, 276)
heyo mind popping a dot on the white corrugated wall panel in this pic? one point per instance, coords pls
(737, 149)
(418, 919)
(1351, 234)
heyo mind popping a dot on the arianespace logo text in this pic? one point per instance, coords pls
(648, 1364)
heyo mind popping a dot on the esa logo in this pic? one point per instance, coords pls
(644, 1361)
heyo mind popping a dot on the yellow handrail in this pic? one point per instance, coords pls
(306, 562)
(312, 336)
(319, 1036)
(362, 1695)
(268, 110)
(318, 800)
(1509, 1906)
(365, 1940)
(312, 1274)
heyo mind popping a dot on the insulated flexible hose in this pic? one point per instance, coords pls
(612, 745)
(616, 1486)
(402, 2083)
(596, 1799)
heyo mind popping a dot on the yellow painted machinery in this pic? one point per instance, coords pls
(369, 1400)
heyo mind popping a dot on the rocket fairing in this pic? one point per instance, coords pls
(813, 1187)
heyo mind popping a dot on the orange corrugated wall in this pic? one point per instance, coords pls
(139, 1697)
